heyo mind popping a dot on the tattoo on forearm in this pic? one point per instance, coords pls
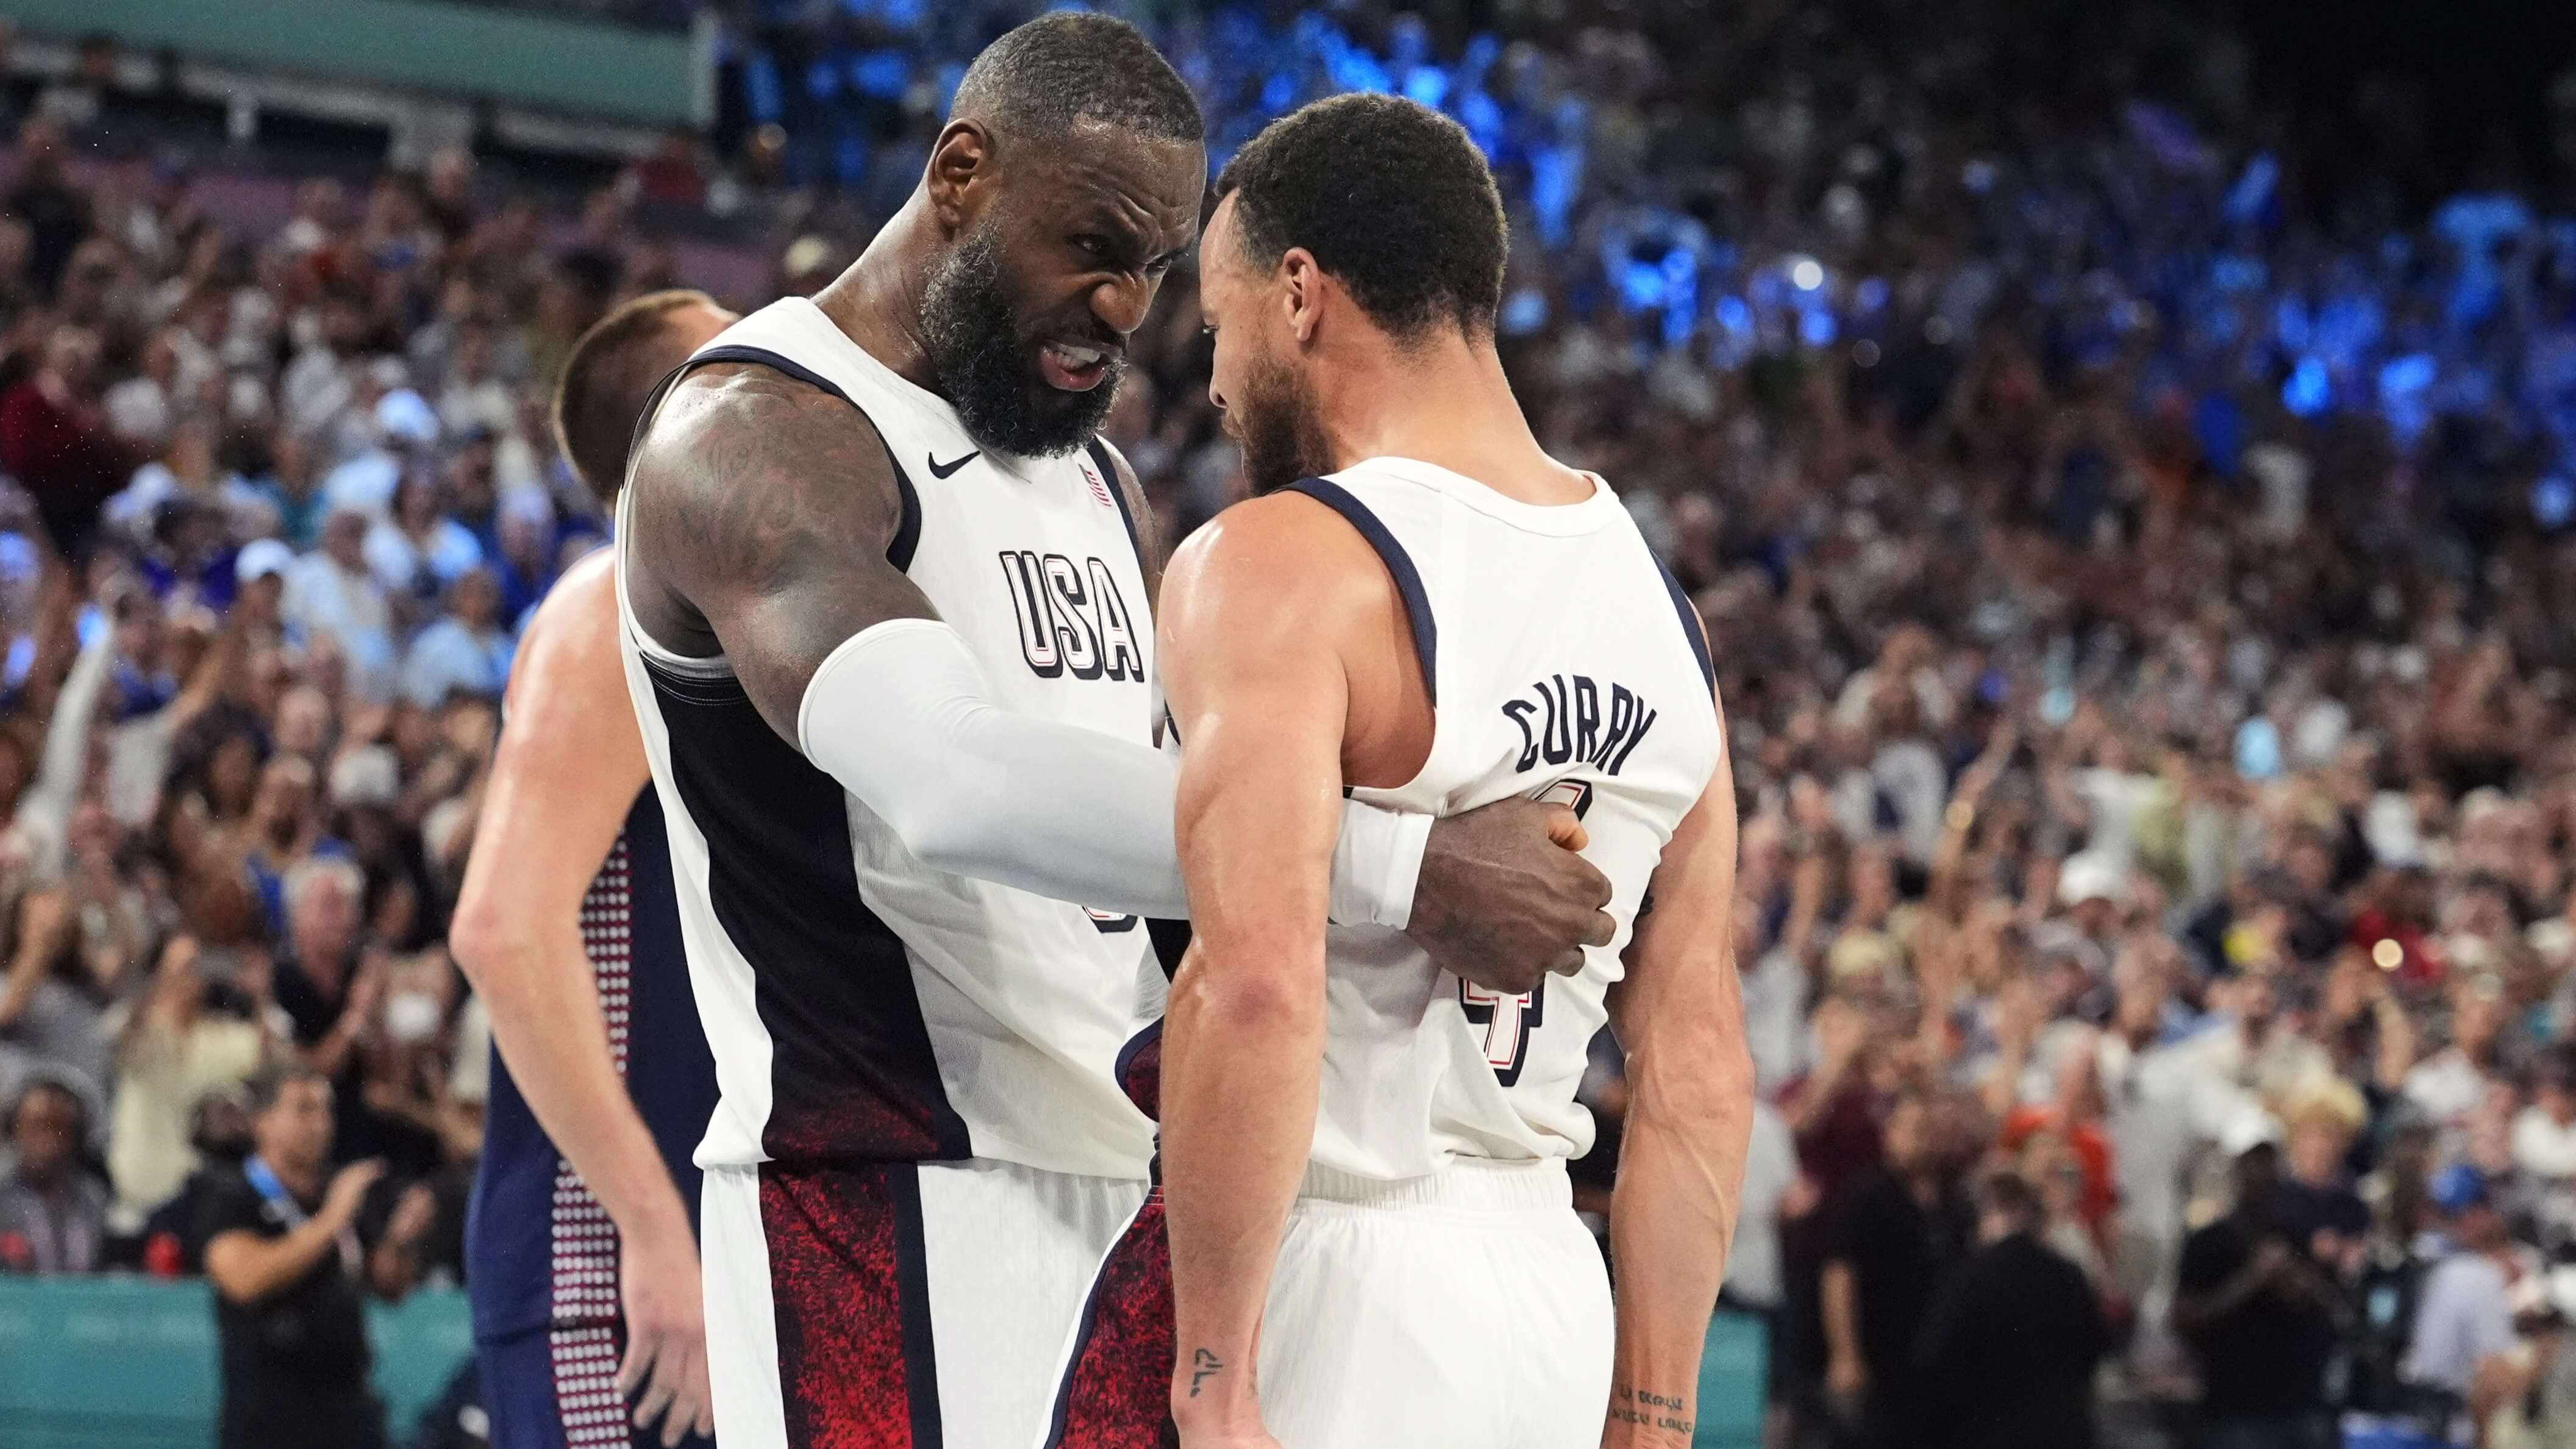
(1649, 1410)
(1202, 1364)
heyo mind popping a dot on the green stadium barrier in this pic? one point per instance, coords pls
(1733, 1368)
(574, 66)
(129, 1363)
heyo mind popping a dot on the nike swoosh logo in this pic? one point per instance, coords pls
(942, 470)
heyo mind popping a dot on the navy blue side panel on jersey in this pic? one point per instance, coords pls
(670, 1072)
(530, 1220)
(852, 1075)
(1692, 629)
(1399, 566)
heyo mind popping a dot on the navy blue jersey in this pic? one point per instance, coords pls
(539, 1249)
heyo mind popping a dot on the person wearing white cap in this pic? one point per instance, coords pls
(405, 428)
(262, 561)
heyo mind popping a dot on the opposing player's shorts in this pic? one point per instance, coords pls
(896, 1305)
(556, 1388)
(1465, 1310)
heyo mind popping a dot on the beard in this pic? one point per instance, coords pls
(1279, 426)
(983, 358)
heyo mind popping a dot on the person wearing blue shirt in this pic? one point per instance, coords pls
(465, 652)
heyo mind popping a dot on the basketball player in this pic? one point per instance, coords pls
(568, 929)
(886, 627)
(1372, 1236)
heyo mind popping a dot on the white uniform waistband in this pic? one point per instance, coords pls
(1473, 1183)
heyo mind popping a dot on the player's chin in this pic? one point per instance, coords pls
(1049, 422)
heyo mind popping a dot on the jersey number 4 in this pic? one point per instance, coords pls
(1509, 1020)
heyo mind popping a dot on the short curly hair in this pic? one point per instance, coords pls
(1061, 69)
(1391, 197)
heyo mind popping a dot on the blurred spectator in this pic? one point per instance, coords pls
(1753, 1271)
(2526, 1396)
(139, 408)
(331, 987)
(417, 551)
(53, 1211)
(291, 486)
(2320, 1209)
(177, 1048)
(2261, 1318)
(186, 475)
(2014, 1314)
(54, 438)
(2455, 1081)
(397, 440)
(282, 1240)
(466, 651)
(332, 593)
(473, 395)
(55, 209)
(1899, 1233)
(2466, 1313)
(2544, 1135)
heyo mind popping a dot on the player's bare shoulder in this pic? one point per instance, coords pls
(1283, 554)
(577, 619)
(745, 480)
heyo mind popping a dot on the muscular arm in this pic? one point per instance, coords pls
(1680, 1013)
(1256, 622)
(568, 768)
(763, 511)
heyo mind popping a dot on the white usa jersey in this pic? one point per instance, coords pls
(1564, 663)
(860, 1004)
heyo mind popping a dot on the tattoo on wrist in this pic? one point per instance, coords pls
(1649, 1410)
(1202, 1364)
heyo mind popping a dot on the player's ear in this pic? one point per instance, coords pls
(1301, 293)
(962, 156)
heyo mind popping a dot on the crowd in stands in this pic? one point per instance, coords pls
(2141, 580)
(276, 504)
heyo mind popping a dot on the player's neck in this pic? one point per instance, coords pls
(1446, 403)
(877, 299)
